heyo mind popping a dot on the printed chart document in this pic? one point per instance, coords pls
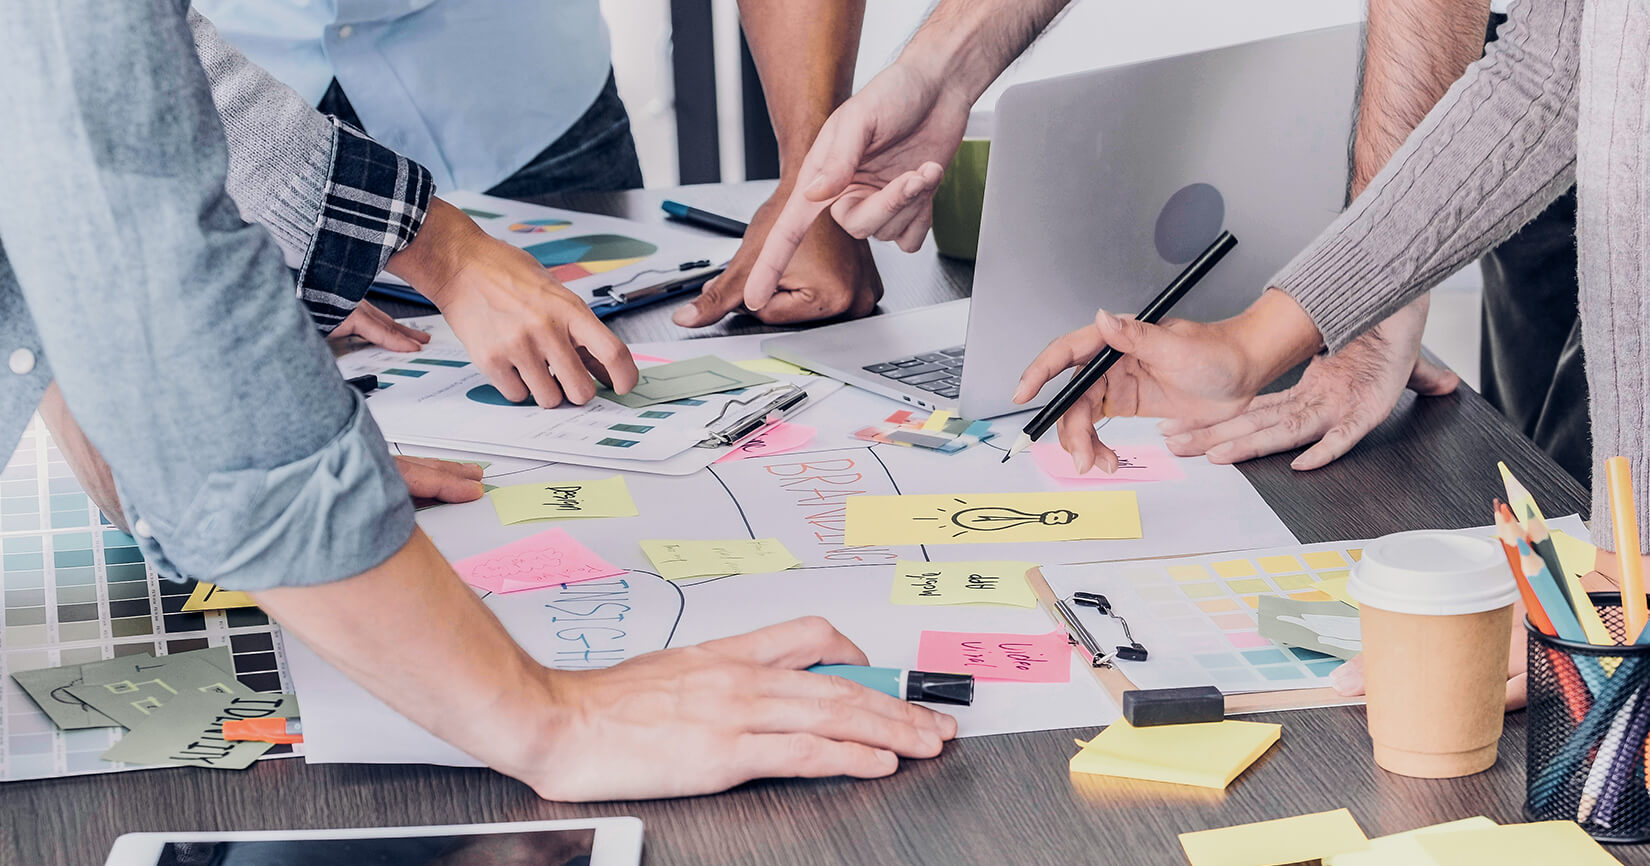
(587, 252)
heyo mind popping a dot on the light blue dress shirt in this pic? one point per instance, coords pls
(472, 89)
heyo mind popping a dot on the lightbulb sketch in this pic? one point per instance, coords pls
(991, 518)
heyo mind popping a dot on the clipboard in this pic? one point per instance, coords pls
(1115, 682)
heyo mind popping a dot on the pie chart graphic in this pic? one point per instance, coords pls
(533, 227)
(572, 258)
(489, 395)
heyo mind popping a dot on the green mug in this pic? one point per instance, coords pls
(959, 200)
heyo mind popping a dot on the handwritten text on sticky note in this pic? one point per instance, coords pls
(557, 500)
(1026, 658)
(678, 560)
(963, 583)
(549, 558)
(1134, 464)
(969, 518)
(778, 439)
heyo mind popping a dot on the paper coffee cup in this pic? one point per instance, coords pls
(1436, 610)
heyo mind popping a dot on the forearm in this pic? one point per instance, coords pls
(1496, 149)
(465, 680)
(968, 43)
(804, 52)
(1414, 51)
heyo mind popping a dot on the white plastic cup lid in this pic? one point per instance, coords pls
(1432, 573)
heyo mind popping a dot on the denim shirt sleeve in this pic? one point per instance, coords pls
(338, 203)
(241, 456)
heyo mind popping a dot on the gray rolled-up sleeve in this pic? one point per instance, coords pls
(170, 325)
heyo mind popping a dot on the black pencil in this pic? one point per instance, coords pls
(1097, 367)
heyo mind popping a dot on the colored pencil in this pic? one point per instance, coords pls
(1621, 768)
(1518, 496)
(1586, 613)
(1504, 529)
(1624, 515)
(1563, 619)
(1547, 782)
(1609, 749)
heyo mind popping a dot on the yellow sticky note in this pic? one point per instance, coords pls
(1280, 564)
(1234, 568)
(992, 517)
(1545, 842)
(937, 420)
(772, 365)
(1402, 849)
(209, 597)
(559, 500)
(676, 560)
(963, 583)
(1335, 587)
(1301, 839)
(1208, 755)
(1187, 573)
(1322, 559)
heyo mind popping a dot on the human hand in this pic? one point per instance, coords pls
(525, 330)
(831, 274)
(701, 719)
(1177, 369)
(875, 164)
(380, 329)
(1338, 400)
(440, 480)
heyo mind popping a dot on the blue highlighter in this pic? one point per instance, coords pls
(955, 689)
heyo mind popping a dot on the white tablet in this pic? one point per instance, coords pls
(593, 842)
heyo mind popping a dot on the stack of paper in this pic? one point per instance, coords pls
(1299, 840)
(1208, 755)
(1335, 839)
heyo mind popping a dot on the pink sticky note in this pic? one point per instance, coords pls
(1026, 658)
(649, 359)
(777, 439)
(1134, 464)
(549, 558)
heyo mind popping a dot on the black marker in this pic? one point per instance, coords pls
(365, 384)
(704, 219)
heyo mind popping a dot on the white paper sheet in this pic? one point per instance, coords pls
(672, 245)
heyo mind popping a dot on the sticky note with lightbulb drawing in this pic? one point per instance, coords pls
(985, 518)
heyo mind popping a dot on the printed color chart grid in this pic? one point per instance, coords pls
(1196, 616)
(76, 590)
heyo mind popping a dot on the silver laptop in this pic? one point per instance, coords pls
(1101, 187)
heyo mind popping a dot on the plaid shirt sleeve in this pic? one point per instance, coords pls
(375, 202)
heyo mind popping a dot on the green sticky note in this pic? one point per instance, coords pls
(694, 377)
(677, 560)
(924, 583)
(50, 690)
(558, 500)
(131, 688)
(188, 731)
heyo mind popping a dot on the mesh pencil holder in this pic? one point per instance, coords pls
(1589, 719)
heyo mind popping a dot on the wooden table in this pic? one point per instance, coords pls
(989, 800)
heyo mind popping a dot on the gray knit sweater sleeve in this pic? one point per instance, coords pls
(280, 147)
(1495, 150)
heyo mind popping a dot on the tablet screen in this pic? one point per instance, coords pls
(540, 848)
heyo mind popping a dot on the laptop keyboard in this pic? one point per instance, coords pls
(937, 372)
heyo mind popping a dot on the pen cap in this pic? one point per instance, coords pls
(937, 688)
(1432, 573)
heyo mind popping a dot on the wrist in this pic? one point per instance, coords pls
(535, 715)
(437, 253)
(1273, 335)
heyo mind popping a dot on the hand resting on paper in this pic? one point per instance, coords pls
(441, 480)
(1338, 400)
(380, 329)
(525, 330)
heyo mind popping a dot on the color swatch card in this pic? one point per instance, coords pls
(1329, 627)
(939, 583)
(550, 558)
(1299, 840)
(1134, 465)
(776, 439)
(131, 689)
(682, 559)
(1024, 658)
(682, 380)
(1208, 755)
(561, 500)
(77, 591)
(992, 517)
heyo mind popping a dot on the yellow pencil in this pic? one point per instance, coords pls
(1625, 517)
